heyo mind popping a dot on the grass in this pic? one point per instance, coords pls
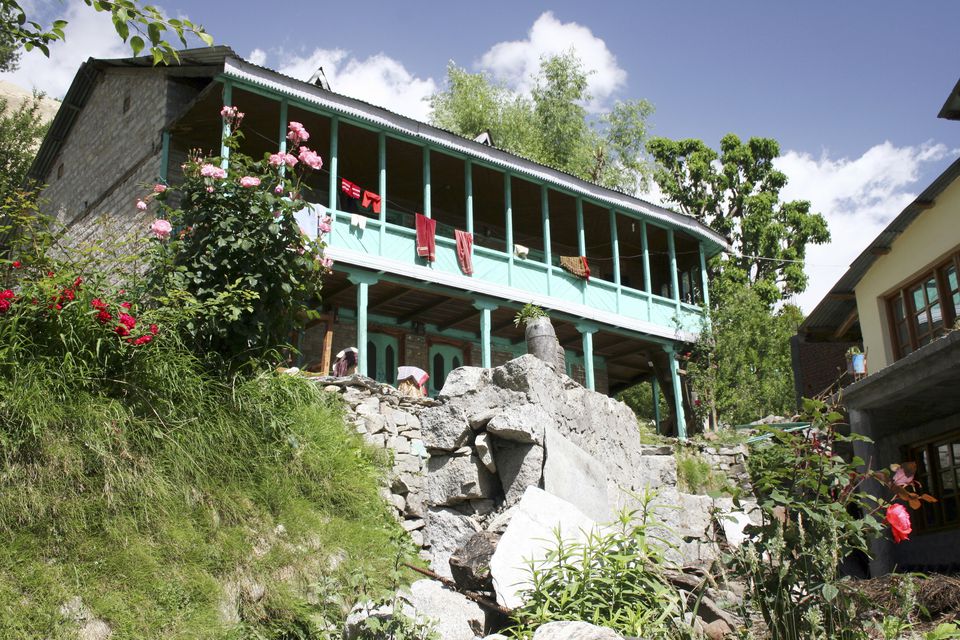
(157, 496)
(695, 475)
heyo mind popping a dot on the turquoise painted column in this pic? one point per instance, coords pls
(225, 129)
(581, 233)
(486, 359)
(587, 331)
(704, 278)
(333, 186)
(656, 403)
(615, 248)
(647, 281)
(363, 282)
(382, 187)
(545, 216)
(282, 136)
(426, 182)
(164, 156)
(674, 280)
(508, 222)
(677, 392)
(468, 188)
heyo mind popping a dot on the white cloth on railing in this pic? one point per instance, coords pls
(521, 251)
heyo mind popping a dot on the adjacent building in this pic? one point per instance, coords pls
(125, 123)
(900, 303)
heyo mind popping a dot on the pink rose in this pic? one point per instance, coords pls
(228, 112)
(161, 229)
(212, 171)
(210, 189)
(326, 262)
(159, 188)
(249, 181)
(297, 133)
(276, 159)
(324, 227)
(278, 189)
(141, 205)
(310, 158)
(899, 520)
(290, 159)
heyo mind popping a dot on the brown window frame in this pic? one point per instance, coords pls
(915, 338)
(945, 513)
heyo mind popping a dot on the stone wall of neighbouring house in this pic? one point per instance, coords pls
(461, 461)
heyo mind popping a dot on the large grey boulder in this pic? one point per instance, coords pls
(523, 423)
(444, 428)
(571, 473)
(519, 466)
(484, 448)
(574, 630)
(453, 616)
(462, 381)
(537, 520)
(445, 531)
(454, 479)
(539, 381)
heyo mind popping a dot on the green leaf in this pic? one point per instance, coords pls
(136, 44)
(829, 592)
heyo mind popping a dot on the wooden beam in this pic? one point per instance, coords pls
(848, 322)
(458, 319)
(419, 311)
(390, 297)
(924, 204)
(503, 325)
(327, 295)
(879, 251)
(842, 295)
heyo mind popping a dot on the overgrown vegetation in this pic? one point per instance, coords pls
(695, 475)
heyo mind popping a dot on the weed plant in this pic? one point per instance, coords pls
(163, 495)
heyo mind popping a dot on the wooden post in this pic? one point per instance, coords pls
(656, 402)
(363, 281)
(508, 221)
(677, 393)
(674, 279)
(282, 146)
(225, 128)
(468, 187)
(426, 182)
(333, 186)
(382, 162)
(485, 332)
(704, 277)
(164, 156)
(587, 331)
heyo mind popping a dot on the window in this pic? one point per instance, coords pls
(926, 308)
(938, 470)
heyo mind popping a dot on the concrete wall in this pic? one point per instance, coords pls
(933, 235)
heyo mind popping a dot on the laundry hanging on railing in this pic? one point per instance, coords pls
(357, 220)
(577, 265)
(349, 188)
(426, 237)
(370, 198)
(521, 251)
(464, 251)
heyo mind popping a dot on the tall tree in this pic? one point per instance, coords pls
(737, 192)
(552, 125)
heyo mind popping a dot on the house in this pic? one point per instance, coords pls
(126, 123)
(900, 302)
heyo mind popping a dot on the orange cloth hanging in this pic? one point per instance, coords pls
(464, 251)
(369, 197)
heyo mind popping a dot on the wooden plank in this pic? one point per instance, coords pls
(327, 353)
(848, 322)
(390, 297)
(463, 317)
(422, 309)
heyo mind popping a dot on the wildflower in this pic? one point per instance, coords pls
(125, 305)
(4, 306)
(159, 188)
(899, 520)
(104, 317)
(16, 264)
(121, 331)
(297, 133)
(154, 329)
(98, 304)
(212, 171)
(141, 205)
(249, 181)
(77, 282)
(310, 158)
(7, 294)
(127, 320)
(68, 294)
(144, 339)
(161, 229)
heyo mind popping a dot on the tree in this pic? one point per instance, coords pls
(737, 193)
(148, 25)
(552, 126)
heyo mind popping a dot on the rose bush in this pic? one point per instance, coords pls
(233, 252)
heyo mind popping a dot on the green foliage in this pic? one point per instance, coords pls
(240, 262)
(695, 475)
(943, 631)
(614, 578)
(133, 478)
(552, 126)
(737, 193)
(529, 312)
(741, 363)
(639, 398)
(150, 29)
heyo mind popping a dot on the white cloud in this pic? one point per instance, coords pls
(516, 62)
(89, 33)
(857, 196)
(379, 79)
(258, 57)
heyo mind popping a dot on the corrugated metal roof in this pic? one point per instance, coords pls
(951, 107)
(218, 56)
(837, 305)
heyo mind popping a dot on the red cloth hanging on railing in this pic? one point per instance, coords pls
(464, 251)
(349, 188)
(426, 237)
(370, 198)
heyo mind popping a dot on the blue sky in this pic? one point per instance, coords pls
(850, 89)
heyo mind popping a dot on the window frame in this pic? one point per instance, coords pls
(948, 312)
(933, 484)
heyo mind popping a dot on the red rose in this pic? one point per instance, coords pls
(104, 317)
(121, 331)
(899, 521)
(125, 305)
(154, 329)
(4, 305)
(127, 320)
(7, 294)
(68, 294)
(77, 282)
(16, 264)
(98, 304)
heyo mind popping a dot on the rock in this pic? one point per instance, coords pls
(332, 388)
(445, 532)
(500, 522)
(533, 377)
(520, 465)
(524, 423)
(482, 444)
(415, 505)
(529, 537)
(470, 564)
(89, 627)
(444, 427)
(453, 479)
(454, 616)
(354, 627)
(717, 630)
(375, 423)
(496, 636)
(462, 381)
(574, 630)
(571, 473)
(480, 418)
(397, 501)
(657, 471)
(734, 524)
(412, 524)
